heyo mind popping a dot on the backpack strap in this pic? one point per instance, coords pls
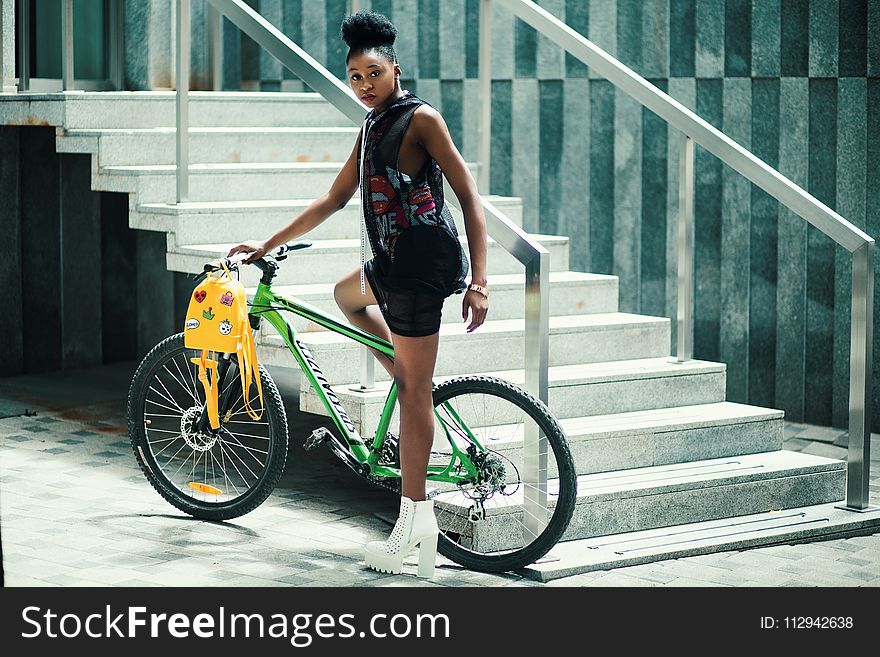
(210, 386)
(248, 367)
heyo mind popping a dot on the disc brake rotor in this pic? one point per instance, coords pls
(199, 441)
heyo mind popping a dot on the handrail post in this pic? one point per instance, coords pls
(215, 45)
(684, 329)
(183, 7)
(67, 76)
(485, 67)
(858, 466)
(117, 45)
(24, 60)
(537, 334)
(537, 324)
(368, 371)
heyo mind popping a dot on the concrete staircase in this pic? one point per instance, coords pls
(666, 466)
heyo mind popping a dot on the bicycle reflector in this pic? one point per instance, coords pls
(205, 488)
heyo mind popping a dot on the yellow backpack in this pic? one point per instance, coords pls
(217, 320)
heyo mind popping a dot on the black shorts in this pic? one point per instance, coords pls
(409, 312)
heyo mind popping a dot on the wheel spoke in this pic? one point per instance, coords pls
(170, 400)
(223, 448)
(183, 463)
(150, 401)
(232, 451)
(243, 446)
(183, 382)
(178, 380)
(156, 455)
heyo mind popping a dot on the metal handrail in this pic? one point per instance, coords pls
(695, 129)
(511, 237)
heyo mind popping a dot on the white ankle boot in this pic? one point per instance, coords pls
(416, 525)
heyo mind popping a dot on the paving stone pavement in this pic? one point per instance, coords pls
(75, 510)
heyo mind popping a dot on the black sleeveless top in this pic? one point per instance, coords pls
(411, 231)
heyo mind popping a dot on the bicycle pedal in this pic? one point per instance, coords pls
(318, 436)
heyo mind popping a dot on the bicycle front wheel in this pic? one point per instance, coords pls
(212, 476)
(517, 505)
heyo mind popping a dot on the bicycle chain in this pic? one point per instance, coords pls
(383, 481)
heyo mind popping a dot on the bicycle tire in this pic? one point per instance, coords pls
(450, 543)
(227, 506)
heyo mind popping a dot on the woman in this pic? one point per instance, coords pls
(417, 262)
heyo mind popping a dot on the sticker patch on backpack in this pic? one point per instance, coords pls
(207, 314)
(225, 327)
(192, 323)
(200, 295)
(226, 299)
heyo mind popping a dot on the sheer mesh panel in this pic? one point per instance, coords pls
(418, 260)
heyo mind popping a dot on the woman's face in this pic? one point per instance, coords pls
(372, 78)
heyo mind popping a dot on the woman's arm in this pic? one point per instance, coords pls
(341, 191)
(432, 134)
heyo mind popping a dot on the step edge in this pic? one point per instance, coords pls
(570, 553)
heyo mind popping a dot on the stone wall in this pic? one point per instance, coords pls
(80, 287)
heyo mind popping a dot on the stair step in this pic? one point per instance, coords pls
(574, 390)
(139, 146)
(636, 439)
(222, 181)
(574, 339)
(257, 219)
(570, 293)
(330, 260)
(639, 499)
(800, 524)
(153, 109)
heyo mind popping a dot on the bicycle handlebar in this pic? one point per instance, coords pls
(234, 261)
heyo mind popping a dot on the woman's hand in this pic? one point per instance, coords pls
(478, 306)
(256, 250)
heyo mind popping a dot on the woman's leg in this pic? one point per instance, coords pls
(362, 311)
(414, 360)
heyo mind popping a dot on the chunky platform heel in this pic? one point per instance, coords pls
(416, 525)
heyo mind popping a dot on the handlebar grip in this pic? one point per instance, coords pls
(198, 278)
(293, 246)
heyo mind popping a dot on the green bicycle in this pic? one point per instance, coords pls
(502, 497)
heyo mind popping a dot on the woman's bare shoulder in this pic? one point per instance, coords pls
(426, 121)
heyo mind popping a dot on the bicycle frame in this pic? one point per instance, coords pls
(268, 304)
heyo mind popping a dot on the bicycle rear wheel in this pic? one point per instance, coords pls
(505, 518)
(207, 475)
